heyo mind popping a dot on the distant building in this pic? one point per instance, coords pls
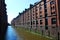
(3, 19)
(43, 16)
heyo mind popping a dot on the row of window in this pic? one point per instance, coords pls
(53, 21)
(52, 8)
(52, 2)
(52, 13)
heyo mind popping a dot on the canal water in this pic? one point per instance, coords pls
(11, 34)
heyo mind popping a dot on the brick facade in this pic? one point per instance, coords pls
(43, 16)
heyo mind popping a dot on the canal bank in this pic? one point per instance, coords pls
(27, 35)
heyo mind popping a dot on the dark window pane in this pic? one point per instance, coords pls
(52, 8)
(36, 13)
(46, 21)
(52, 2)
(46, 27)
(36, 22)
(36, 17)
(40, 15)
(53, 20)
(40, 21)
(45, 10)
(45, 6)
(33, 22)
(40, 12)
(53, 13)
(46, 15)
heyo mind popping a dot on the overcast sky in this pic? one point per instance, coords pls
(16, 6)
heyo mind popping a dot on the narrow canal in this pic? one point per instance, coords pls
(11, 34)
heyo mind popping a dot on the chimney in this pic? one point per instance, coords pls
(19, 13)
(31, 5)
(25, 9)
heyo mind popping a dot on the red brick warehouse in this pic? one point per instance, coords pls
(43, 16)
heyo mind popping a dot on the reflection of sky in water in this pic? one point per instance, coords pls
(11, 34)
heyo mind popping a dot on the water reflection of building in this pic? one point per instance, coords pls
(3, 18)
(43, 16)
